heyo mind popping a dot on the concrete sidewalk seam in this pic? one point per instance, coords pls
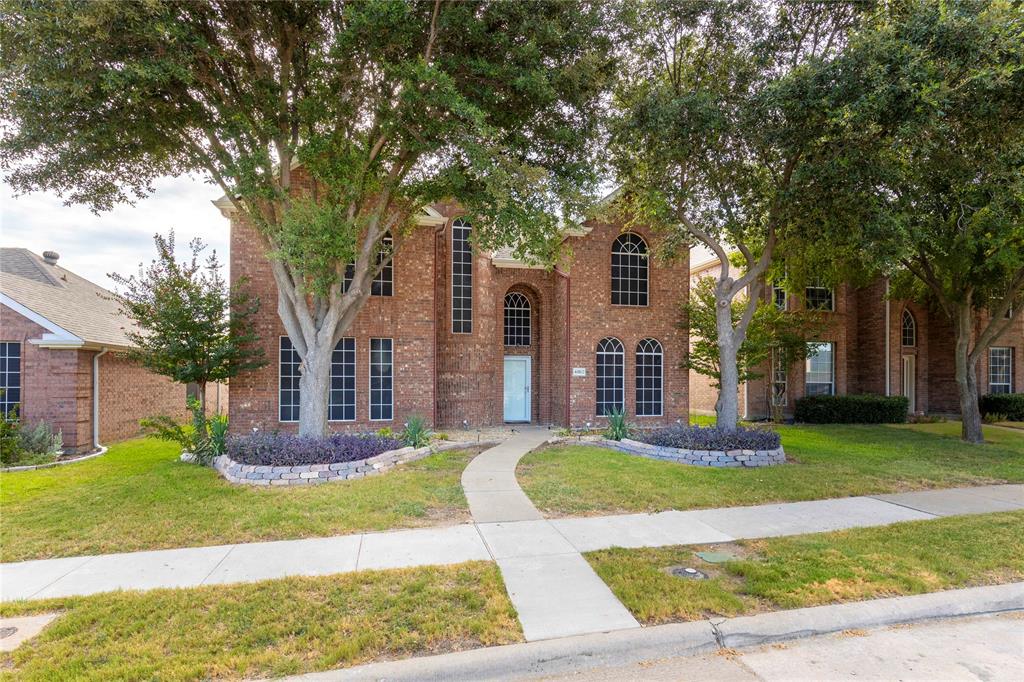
(907, 506)
(218, 564)
(54, 582)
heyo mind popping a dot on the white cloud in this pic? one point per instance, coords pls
(118, 241)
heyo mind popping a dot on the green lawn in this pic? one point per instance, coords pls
(826, 461)
(272, 628)
(138, 496)
(821, 568)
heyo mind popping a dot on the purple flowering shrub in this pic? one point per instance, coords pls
(711, 438)
(285, 449)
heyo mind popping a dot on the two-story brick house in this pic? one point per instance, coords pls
(464, 337)
(871, 344)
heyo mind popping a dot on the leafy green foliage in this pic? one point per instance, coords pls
(1010, 405)
(618, 427)
(204, 438)
(41, 439)
(10, 438)
(416, 433)
(852, 409)
(190, 325)
(772, 333)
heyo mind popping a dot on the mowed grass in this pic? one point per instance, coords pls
(272, 628)
(820, 568)
(139, 496)
(825, 461)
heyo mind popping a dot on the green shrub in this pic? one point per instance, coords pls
(851, 409)
(218, 428)
(40, 439)
(10, 439)
(1009, 404)
(618, 428)
(203, 438)
(416, 433)
(386, 432)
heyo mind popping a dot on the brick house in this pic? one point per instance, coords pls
(872, 344)
(468, 338)
(62, 357)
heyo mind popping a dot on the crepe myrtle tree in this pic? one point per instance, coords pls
(188, 324)
(720, 118)
(933, 125)
(387, 104)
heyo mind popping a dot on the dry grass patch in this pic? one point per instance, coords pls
(272, 628)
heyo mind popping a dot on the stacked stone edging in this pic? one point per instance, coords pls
(701, 458)
(310, 474)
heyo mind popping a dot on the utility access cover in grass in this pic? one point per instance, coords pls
(717, 557)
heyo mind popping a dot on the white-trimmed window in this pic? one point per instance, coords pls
(462, 278)
(780, 380)
(1000, 370)
(341, 406)
(517, 319)
(10, 377)
(649, 378)
(908, 329)
(383, 284)
(779, 297)
(611, 380)
(288, 387)
(629, 270)
(820, 376)
(381, 379)
(820, 298)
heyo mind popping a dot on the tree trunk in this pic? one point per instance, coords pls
(202, 398)
(314, 387)
(727, 407)
(967, 378)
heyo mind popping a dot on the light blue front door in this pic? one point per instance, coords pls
(517, 388)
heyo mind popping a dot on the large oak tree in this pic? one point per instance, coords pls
(387, 104)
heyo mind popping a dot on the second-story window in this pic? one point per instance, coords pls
(462, 278)
(820, 298)
(629, 270)
(384, 283)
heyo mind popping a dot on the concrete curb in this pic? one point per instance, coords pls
(623, 647)
(59, 463)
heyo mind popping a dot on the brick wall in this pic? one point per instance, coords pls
(594, 318)
(129, 393)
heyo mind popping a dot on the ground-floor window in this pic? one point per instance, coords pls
(1000, 370)
(342, 403)
(648, 378)
(381, 379)
(288, 398)
(820, 376)
(10, 377)
(610, 376)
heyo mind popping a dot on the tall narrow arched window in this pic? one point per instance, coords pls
(610, 376)
(648, 378)
(909, 329)
(629, 270)
(517, 319)
(462, 278)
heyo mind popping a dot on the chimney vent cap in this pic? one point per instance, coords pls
(51, 257)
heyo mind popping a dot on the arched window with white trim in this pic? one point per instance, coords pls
(629, 270)
(517, 319)
(649, 378)
(611, 365)
(908, 332)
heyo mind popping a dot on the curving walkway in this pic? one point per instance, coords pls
(555, 591)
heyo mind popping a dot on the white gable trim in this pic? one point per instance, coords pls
(57, 336)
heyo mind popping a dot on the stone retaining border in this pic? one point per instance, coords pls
(701, 458)
(57, 463)
(311, 474)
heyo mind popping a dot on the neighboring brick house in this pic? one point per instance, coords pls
(914, 357)
(59, 339)
(463, 337)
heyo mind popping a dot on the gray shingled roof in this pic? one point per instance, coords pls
(62, 297)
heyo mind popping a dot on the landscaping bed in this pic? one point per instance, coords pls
(705, 446)
(822, 462)
(267, 629)
(821, 568)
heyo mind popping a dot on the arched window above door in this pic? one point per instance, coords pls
(517, 319)
(909, 329)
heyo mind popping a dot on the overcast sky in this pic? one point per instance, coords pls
(118, 241)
